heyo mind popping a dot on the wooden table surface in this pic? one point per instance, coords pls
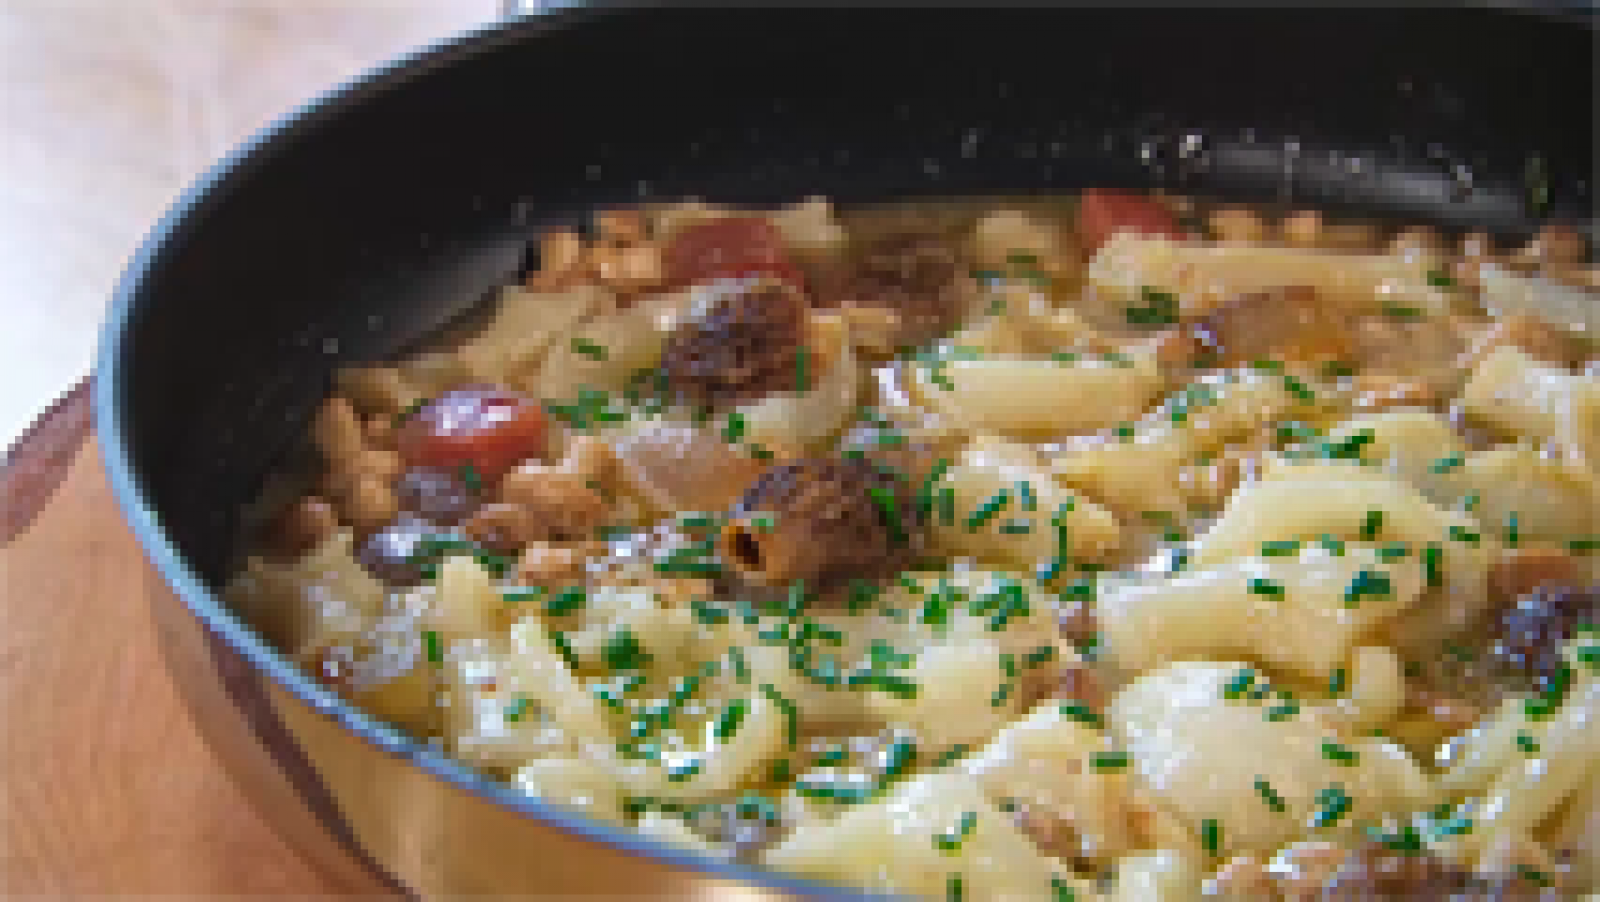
(107, 110)
(105, 785)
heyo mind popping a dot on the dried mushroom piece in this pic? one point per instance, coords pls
(919, 278)
(740, 342)
(822, 521)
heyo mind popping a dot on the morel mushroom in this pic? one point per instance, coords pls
(740, 343)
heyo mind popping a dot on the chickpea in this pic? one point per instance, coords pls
(1243, 877)
(563, 503)
(1302, 229)
(501, 527)
(628, 269)
(1558, 247)
(376, 390)
(621, 227)
(379, 429)
(1419, 243)
(560, 260)
(1237, 225)
(543, 564)
(371, 503)
(337, 432)
(301, 527)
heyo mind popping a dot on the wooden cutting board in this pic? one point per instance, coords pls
(105, 785)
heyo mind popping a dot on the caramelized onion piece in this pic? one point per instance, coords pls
(1289, 323)
(678, 468)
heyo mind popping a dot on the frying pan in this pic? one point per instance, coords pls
(386, 208)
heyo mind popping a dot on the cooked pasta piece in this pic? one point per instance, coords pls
(1008, 512)
(1518, 395)
(1030, 396)
(1164, 876)
(1044, 763)
(1183, 727)
(574, 782)
(788, 422)
(1303, 613)
(1202, 276)
(524, 326)
(1525, 497)
(1418, 446)
(894, 844)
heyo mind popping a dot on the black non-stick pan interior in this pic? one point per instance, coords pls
(378, 208)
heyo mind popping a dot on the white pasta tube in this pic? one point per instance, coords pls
(1163, 876)
(721, 764)
(1485, 749)
(466, 599)
(535, 669)
(1552, 500)
(1044, 761)
(1531, 789)
(1417, 446)
(1506, 293)
(574, 782)
(1302, 613)
(1202, 276)
(1377, 689)
(1259, 768)
(890, 845)
(1310, 500)
(1006, 238)
(1518, 394)
(523, 328)
(1015, 531)
(1031, 396)
(1132, 476)
(325, 593)
(604, 353)
(958, 700)
(788, 422)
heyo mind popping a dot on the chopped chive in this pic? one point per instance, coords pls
(566, 601)
(1333, 546)
(1025, 495)
(1107, 761)
(1077, 711)
(1338, 754)
(1336, 682)
(1211, 836)
(1445, 464)
(1124, 431)
(1064, 357)
(1439, 279)
(1016, 527)
(1513, 534)
(1469, 501)
(622, 651)
(1393, 551)
(1269, 795)
(1527, 744)
(1278, 713)
(1060, 891)
(410, 410)
(677, 773)
(588, 349)
(1332, 804)
(1432, 564)
(1041, 655)
(898, 758)
(988, 509)
(515, 711)
(1589, 656)
(802, 369)
(434, 646)
(1266, 587)
(470, 478)
(791, 715)
(954, 889)
(1239, 684)
(1464, 535)
(1338, 369)
(1401, 311)
(1528, 872)
(1298, 389)
(1371, 525)
(1583, 545)
(952, 840)
(1283, 548)
(516, 596)
(1366, 584)
(729, 721)
(734, 430)
(925, 496)
(564, 648)
(947, 506)
(889, 509)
